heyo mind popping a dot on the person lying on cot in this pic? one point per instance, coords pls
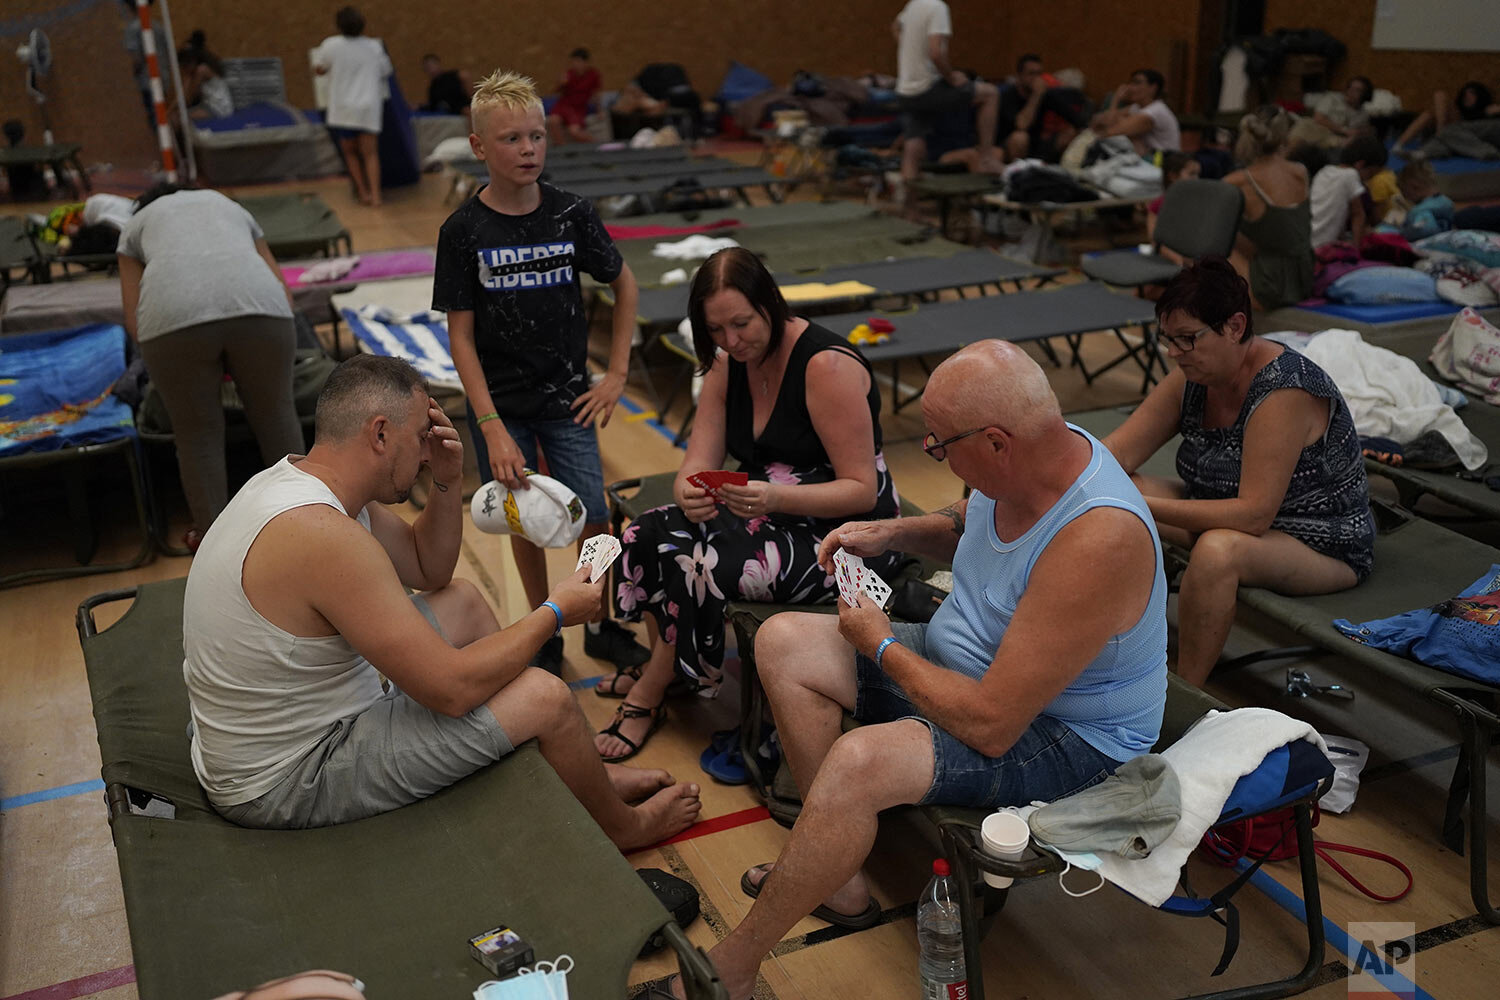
(1272, 490)
(992, 703)
(322, 693)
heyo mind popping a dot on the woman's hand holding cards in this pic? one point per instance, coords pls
(696, 503)
(756, 498)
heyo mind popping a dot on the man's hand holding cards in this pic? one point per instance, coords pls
(853, 576)
(597, 554)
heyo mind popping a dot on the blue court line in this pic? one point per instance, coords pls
(47, 794)
(1336, 935)
(655, 422)
(584, 683)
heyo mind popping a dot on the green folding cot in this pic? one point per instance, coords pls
(299, 225)
(1417, 564)
(392, 899)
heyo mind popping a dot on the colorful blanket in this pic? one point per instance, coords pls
(55, 389)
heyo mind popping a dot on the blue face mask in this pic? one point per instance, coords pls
(543, 981)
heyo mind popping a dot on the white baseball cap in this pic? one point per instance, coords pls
(548, 514)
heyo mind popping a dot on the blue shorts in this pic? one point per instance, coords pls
(347, 134)
(1049, 762)
(572, 453)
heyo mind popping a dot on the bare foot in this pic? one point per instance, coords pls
(850, 900)
(668, 812)
(635, 783)
(633, 729)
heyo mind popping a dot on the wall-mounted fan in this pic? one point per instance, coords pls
(36, 53)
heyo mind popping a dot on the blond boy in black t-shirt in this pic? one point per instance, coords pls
(507, 276)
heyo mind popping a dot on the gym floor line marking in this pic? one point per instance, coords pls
(1395, 767)
(638, 411)
(48, 794)
(80, 987)
(1335, 935)
(718, 824)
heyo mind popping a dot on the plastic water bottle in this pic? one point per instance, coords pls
(940, 938)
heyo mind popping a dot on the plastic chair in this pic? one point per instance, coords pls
(1198, 219)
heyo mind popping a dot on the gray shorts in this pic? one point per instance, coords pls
(390, 755)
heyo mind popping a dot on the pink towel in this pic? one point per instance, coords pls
(374, 267)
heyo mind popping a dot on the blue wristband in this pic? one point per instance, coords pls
(880, 650)
(556, 611)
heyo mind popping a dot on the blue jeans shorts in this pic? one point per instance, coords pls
(1049, 761)
(572, 453)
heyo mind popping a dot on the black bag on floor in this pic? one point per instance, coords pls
(679, 897)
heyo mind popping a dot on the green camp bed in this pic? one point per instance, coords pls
(20, 258)
(946, 189)
(1417, 564)
(62, 157)
(566, 174)
(299, 225)
(392, 899)
(752, 216)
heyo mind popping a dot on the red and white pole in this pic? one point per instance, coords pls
(164, 139)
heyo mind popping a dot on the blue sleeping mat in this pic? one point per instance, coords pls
(1386, 312)
(55, 389)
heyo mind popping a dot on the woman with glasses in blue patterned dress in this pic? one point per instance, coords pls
(1271, 488)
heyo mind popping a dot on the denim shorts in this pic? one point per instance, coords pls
(572, 453)
(1049, 762)
(392, 754)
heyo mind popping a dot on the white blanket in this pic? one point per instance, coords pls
(1219, 750)
(696, 247)
(1388, 395)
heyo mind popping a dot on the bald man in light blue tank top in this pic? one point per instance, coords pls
(1041, 673)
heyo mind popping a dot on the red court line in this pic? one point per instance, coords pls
(81, 987)
(719, 823)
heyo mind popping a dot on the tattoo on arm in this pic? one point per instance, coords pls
(955, 513)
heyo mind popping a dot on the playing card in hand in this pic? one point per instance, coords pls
(598, 553)
(852, 576)
(710, 480)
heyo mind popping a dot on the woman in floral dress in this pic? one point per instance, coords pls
(799, 410)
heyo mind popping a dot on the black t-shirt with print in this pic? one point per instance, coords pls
(519, 276)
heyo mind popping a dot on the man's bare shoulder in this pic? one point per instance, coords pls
(309, 548)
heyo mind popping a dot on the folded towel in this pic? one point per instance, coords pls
(1219, 750)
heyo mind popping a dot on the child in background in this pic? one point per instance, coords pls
(1420, 210)
(579, 83)
(507, 276)
(1338, 192)
(1175, 166)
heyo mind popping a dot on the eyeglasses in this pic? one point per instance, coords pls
(938, 450)
(1184, 342)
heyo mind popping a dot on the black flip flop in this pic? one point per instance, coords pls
(863, 920)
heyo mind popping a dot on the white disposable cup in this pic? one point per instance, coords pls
(1004, 835)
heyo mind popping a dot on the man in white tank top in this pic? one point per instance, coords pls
(1044, 669)
(297, 606)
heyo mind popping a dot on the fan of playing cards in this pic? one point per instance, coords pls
(853, 576)
(710, 480)
(597, 553)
